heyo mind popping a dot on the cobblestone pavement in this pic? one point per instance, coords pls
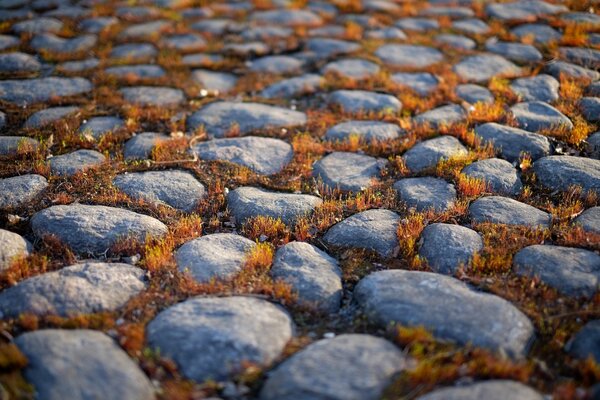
(297, 199)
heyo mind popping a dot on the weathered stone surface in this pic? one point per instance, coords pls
(276, 65)
(556, 68)
(325, 47)
(535, 116)
(19, 191)
(209, 338)
(447, 307)
(561, 172)
(472, 93)
(134, 52)
(77, 161)
(97, 368)
(441, 116)
(517, 52)
(353, 68)
(511, 142)
(48, 42)
(77, 289)
(186, 42)
(219, 82)
(586, 343)
(404, 55)
(421, 82)
(426, 192)
(541, 33)
(590, 108)
(354, 101)
(417, 24)
(500, 175)
(153, 96)
(447, 247)
(536, 88)
(12, 246)
(483, 67)
(297, 86)
(16, 145)
(504, 210)
(429, 153)
(18, 62)
(97, 127)
(38, 26)
(216, 256)
(585, 57)
(49, 115)
(147, 71)
(574, 272)
(174, 188)
(348, 171)
(471, 26)
(372, 230)
(350, 366)
(94, 229)
(365, 130)
(312, 274)
(456, 41)
(264, 155)
(219, 118)
(589, 220)
(286, 17)
(522, 10)
(27, 91)
(141, 145)
(490, 390)
(247, 202)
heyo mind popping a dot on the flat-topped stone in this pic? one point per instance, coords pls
(441, 116)
(536, 88)
(313, 275)
(504, 210)
(77, 161)
(264, 155)
(429, 153)
(589, 220)
(354, 101)
(561, 172)
(473, 94)
(12, 247)
(96, 366)
(491, 390)
(458, 42)
(296, 86)
(220, 334)
(417, 24)
(48, 116)
(11, 146)
(88, 229)
(287, 17)
(144, 71)
(499, 175)
(556, 68)
(517, 52)
(186, 42)
(28, 91)
(247, 202)
(327, 47)
(425, 193)
(574, 272)
(134, 52)
(541, 33)
(220, 117)
(405, 55)
(585, 343)
(218, 82)
(153, 96)
(422, 83)
(20, 191)
(353, 68)
(97, 127)
(447, 307)
(348, 171)
(141, 145)
(365, 130)
(535, 116)
(447, 247)
(48, 42)
(473, 26)
(216, 256)
(373, 230)
(585, 57)
(483, 67)
(523, 10)
(349, 366)
(85, 288)
(38, 25)
(18, 62)
(590, 108)
(512, 142)
(173, 188)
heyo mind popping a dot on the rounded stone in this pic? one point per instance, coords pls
(504, 210)
(365, 130)
(141, 145)
(352, 68)
(535, 116)
(292, 87)
(11, 146)
(85, 288)
(425, 193)
(586, 343)
(589, 220)
(562, 172)
(422, 83)
(77, 161)
(348, 171)
(216, 256)
(24, 92)
(349, 366)
(512, 142)
(48, 116)
(429, 153)
(489, 390)
(517, 52)
(441, 116)
(276, 65)
(448, 247)
(499, 175)
(483, 67)
(20, 191)
(97, 127)
(12, 246)
(312, 274)
(473, 94)
(153, 96)
(93, 230)
(536, 88)
(354, 101)
(405, 55)
(210, 338)
(18, 62)
(447, 307)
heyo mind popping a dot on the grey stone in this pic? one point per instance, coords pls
(137, 13)
(450, 11)
(266, 33)
(425, 193)
(216, 256)
(27, 91)
(97, 127)
(77, 161)
(472, 26)
(511, 142)
(7, 42)
(78, 66)
(325, 47)
(209, 338)
(312, 274)
(264, 155)
(12, 246)
(456, 41)
(556, 68)
(386, 33)
(582, 17)
(489, 390)
(85, 288)
(38, 26)
(483, 67)
(335, 31)
(590, 108)
(347, 367)
(145, 30)
(18, 62)
(48, 42)
(286, 17)
(248, 202)
(429, 153)
(174, 188)
(372, 230)
(586, 343)
(535, 116)
(276, 65)
(447, 247)
(247, 50)
(353, 68)
(348, 171)
(500, 175)
(297, 86)
(589, 220)
(405, 55)
(447, 307)
(574, 272)
(153, 96)
(136, 71)
(536, 88)
(517, 52)
(94, 229)
(219, 117)
(585, 57)
(541, 33)
(19, 191)
(522, 10)
(215, 27)
(97, 24)
(186, 42)
(417, 24)
(504, 210)
(422, 83)
(361, 100)
(134, 52)
(96, 366)
(49, 115)
(473, 94)
(442, 116)
(201, 59)
(141, 145)
(365, 130)
(11, 146)
(561, 172)
(220, 82)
